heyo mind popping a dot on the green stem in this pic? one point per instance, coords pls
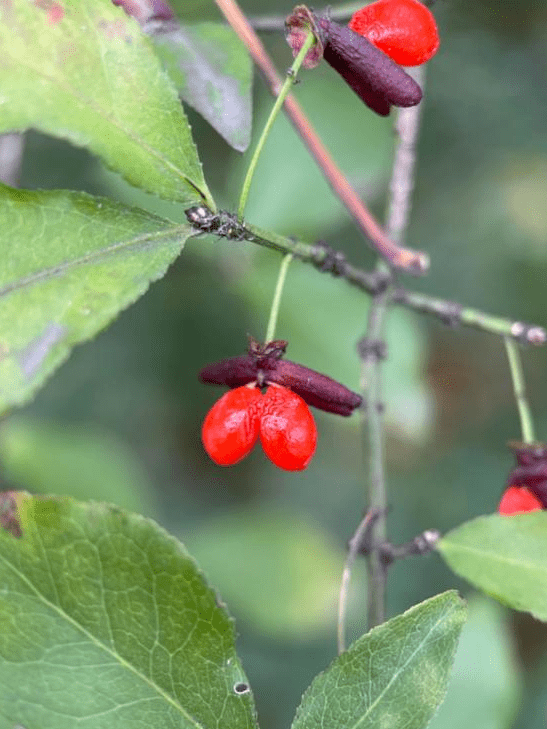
(285, 89)
(449, 312)
(274, 311)
(519, 388)
(373, 433)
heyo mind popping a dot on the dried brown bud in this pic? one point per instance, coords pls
(298, 25)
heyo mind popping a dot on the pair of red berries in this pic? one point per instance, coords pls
(405, 30)
(279, 417)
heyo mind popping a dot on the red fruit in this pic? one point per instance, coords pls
(517, 500)
(405, 30)
(230, 429)
(287, 429)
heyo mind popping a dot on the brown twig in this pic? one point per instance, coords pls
(405, 259)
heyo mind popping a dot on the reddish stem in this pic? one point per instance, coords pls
(411, 261)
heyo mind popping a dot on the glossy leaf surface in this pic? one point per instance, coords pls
(84, 71)
(213, 73)
(505, 556)
(111, 623)
(395, 675)
(71, 263)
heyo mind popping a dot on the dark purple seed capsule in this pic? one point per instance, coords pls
(374, 77)
(527, 454)
(540, 492)
(233, 372)
(315, 389)
(263, 364)
(531, 471)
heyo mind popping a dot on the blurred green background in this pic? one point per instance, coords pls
(120, 421)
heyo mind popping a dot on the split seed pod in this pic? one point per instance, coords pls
(264, 364)
(374, 77)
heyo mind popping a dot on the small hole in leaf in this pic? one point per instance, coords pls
(241, 688)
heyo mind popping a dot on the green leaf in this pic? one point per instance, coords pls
(84, 71)
(83, 461)
(485, 685)
(278, 571)
(394, 676)
(71, 263)
(107, 621)
(505, 556)
(213, 73)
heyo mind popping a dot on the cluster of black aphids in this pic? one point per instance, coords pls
(264, 364)
(221, 223)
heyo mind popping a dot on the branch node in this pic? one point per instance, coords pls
(372, 349)
(528, 334)
(451, 315)
(328, 260)
(422, 544)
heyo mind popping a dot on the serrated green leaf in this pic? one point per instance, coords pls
(505, 556)
(212, 71)
(70, 264)
(394, 676)
(84, 71)
(107, 621)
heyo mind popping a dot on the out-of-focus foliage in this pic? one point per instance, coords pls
(485, 685)
(264, 563)
(83, 461)
(477, 211)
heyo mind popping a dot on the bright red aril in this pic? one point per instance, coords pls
(287, 429)
(230, 429)
(405, 30)
(517, 500)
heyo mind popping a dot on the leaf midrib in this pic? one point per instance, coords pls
(51, 272)
(55, 608)
(491, 556)
(402, 668)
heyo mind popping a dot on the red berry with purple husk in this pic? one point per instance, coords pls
(405, 30)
